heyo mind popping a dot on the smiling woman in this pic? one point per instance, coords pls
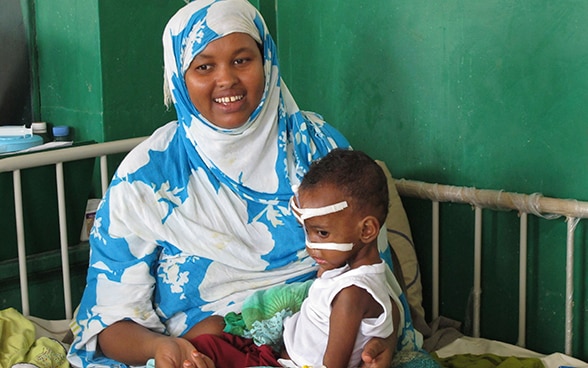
(196, 218)
(225, 81)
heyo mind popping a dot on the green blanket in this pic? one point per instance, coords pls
(19, 345)
(487, 361)
(263, 312)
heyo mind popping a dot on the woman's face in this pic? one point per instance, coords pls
(226, 81)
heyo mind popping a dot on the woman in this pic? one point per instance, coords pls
(196, 217)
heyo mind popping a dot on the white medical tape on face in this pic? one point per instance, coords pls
(343, 247)
(305, 213)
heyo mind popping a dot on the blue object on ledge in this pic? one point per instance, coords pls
(18, 143)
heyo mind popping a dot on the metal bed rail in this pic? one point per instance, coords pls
(56, 157)
(535, 204)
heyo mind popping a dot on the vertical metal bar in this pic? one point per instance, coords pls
(63, 239)
(522, 279)
(569, 283)
(104, 173)
(20, 240)
(435, 259)
(477, 271)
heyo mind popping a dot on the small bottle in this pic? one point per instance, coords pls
(61, 133)
(40, 129)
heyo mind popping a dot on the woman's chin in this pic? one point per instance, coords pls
(232, 122)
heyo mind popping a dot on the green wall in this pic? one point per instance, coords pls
(483, 93)
(132, 66)
(490, 94)
(69, 74)
(100, 66)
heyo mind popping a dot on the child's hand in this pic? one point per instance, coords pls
(180, 353)
(199, 361)
(377, 353)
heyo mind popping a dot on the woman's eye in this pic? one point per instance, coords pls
(203, 67)
(241, 61)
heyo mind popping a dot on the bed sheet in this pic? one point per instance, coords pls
(54, 329)
(478, 346)
(59, 330)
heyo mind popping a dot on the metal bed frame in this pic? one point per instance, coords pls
(533, 204)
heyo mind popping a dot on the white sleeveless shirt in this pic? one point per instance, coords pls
(306, 332)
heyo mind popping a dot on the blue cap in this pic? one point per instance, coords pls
(60, 131)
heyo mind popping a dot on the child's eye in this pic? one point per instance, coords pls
(323, 233)
(241, 61)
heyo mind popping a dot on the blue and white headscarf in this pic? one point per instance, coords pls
(277, 118)
(196, 217)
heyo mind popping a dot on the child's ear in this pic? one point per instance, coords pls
(370, 229)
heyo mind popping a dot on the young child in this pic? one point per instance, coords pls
(342, 202)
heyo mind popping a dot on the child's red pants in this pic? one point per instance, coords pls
(231, 351)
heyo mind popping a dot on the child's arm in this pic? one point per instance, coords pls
(349, 307)
(379, 352)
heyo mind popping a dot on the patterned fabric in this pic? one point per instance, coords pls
(196, 218)
(414, 359)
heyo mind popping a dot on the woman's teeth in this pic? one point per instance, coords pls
(226, 100)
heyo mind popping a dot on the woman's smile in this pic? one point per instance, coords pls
(230, 104)
(227, 100)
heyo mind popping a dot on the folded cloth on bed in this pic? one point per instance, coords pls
(264, 311)
(488, 361)
(20, 348)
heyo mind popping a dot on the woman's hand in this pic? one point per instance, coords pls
(180, 353)
(132, 344)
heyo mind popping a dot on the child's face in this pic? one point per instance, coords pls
(226, 81)
(341, 227)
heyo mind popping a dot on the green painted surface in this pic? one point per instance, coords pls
(468, 92)
(132, 66)
(69, 68)
(490, 94)
(45, 282)
(100, 66)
